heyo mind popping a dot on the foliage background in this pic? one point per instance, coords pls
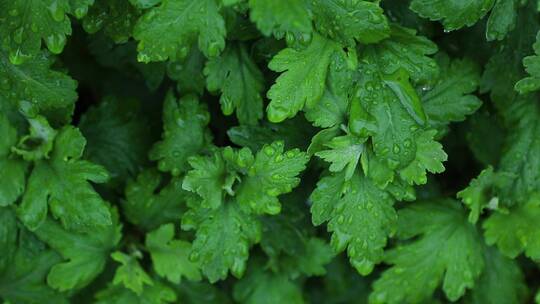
(216, 151)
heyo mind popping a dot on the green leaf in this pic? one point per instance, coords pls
(351, 21)
(27, 23)
(149, 205)
(406, 50)
(502, 19)
(185, 133)
(450, 99)
(23, 278)
(33, 84)
(240, 82)
(429, 158)
(280, 16)
(480, 194)
(264, 287)
(303, 78)
(501, 282)
(168, 30)
(521, 158)
(274, 172)
(188, 72)
(8, 236)
(12, 169)
(453, 14)
(201, 292)
(208, 179)
(170, 256)
(331, 109)
(85, 254)
(116, 18)
(359, 215)
(157, 293)
(532, 65)
(516, 231)
(399, 83)
(62, 182)
(223, 238)
(118, 137)
(296, 133)
(38, 143)
(316, 255)
(447, 249)
(130, 273)
(394, 128)
(144, 4)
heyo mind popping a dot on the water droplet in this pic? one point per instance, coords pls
(57, 11)
(55, 43)
(214, 48)
(81, 12)
(269, 151)
(16, 57)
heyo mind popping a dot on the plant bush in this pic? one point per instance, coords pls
(269, 151)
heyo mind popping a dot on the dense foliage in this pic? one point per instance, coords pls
(269, 151)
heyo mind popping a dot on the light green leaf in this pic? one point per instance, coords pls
(85, 254)
(130, 273)
(429, 158)
(158, 293)
(62, 183)
(223, 238)
(532, 65)
(344, 152)
(303, 78)
(360, 217)
(170, 256)
(208, 179)
(516, 231)
(331, 110)
(273, 173)
(480, 193)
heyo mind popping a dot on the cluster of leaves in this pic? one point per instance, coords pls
(257, 151)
